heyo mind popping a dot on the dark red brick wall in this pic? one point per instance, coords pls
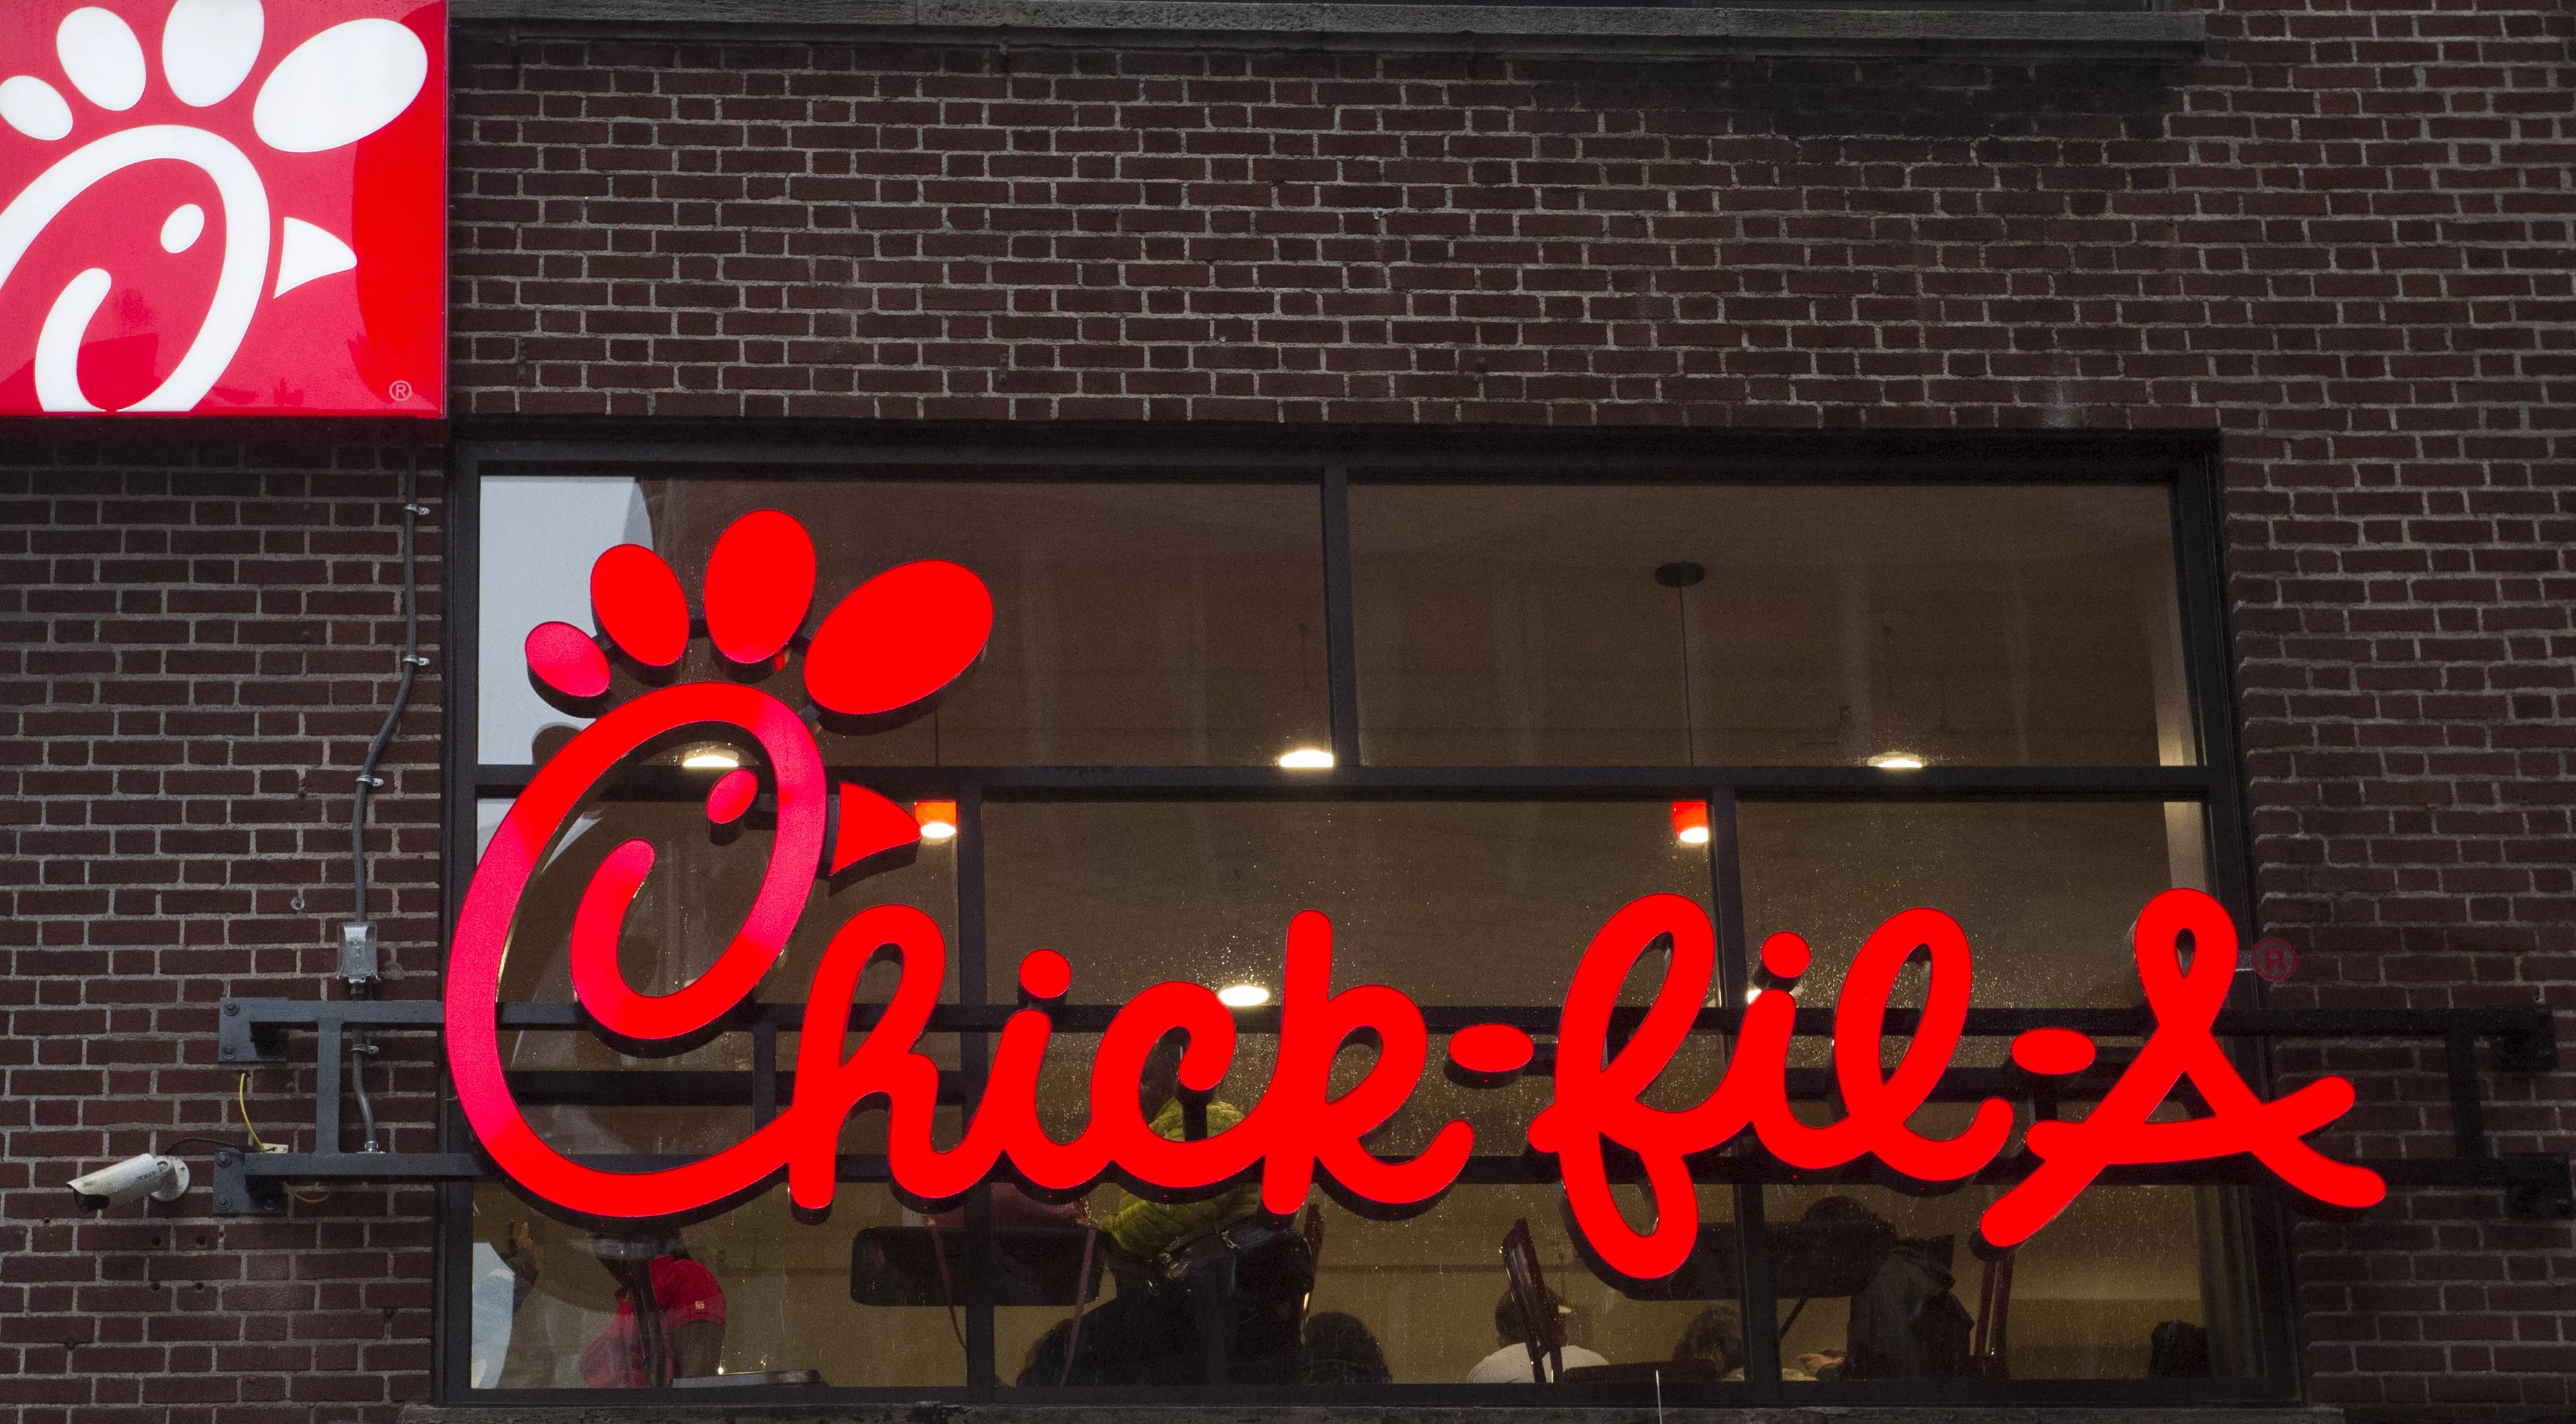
(2343, 240)
(196, 644)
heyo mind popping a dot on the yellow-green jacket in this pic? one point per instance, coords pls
(1148, 1228)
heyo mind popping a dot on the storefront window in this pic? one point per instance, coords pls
(1543, 700)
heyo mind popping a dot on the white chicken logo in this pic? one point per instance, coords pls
(330, 91)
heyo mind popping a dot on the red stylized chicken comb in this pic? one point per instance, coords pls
(891, 642)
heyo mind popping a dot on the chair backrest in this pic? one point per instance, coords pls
(1541, 1331)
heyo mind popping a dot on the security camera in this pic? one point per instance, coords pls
(160, 1178)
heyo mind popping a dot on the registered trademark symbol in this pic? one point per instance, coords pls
(399, 390)
(2275, 959)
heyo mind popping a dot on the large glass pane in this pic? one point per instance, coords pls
(1453, 902)
(749, 1297)
(1663, 624)
(2130, 1283)
(1135, 623)
(2045, 890)
(701, 884)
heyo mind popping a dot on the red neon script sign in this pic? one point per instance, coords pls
(910, 631)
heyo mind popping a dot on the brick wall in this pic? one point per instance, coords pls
(2344, 240)
(198, 645)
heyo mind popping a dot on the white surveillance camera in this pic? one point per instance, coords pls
(163, 1179)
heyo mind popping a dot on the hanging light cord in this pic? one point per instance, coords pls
(1690, 721)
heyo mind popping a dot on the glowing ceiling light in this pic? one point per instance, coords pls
(1897, 761)
(1307, 759)
(937, 819)
(1243, 996)
(1690, 822)
(711, 759)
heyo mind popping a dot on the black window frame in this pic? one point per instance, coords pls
(1334, 459)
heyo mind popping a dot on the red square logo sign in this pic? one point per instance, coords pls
(223, 207)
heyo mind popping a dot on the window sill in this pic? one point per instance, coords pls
(1657, 31)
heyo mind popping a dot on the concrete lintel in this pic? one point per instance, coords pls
(1649, 31)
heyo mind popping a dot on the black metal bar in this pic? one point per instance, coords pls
(974, 975)
(1760, 1304)
(1341, 625)
(2468, 1111)
(452, 1299)
(738, 1088)
(360, 1166)
(770, 449)
(2539, 1169)
(1350, 779)
(1726, 889)
(764, 1073)
(981, 1263)
(2527, 1029)
(460, 691)
(2200, 587)
(2515, 1021)
(328, 1055)
(254, 1030)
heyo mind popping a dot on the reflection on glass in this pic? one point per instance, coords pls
(1451, 902)
(749, 1297)
(2045, 890)
(1659, 625)
(1134, 623)
(2131, 1283)
(539, 536)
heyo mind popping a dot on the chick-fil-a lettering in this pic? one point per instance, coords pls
(1299, 1128)
(911, 630)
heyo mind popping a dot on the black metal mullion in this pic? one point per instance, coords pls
(2468, 1109)
(764, 1072)
(1341, 654)
(1734, 967)
(973, 960)
(451, 1353)
(2200, 585)
(1761, 1306)
(2200, 588)
(1726, 890)
(459, 641)
(1759, 783)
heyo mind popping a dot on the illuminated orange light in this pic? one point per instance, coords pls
(1690, 822)
(937, 819)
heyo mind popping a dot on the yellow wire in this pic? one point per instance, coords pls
(241, 1100)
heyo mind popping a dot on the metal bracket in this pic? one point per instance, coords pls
(253, 1031)
(2522, 1039)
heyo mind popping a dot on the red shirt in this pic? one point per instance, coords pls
(687, 1293)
